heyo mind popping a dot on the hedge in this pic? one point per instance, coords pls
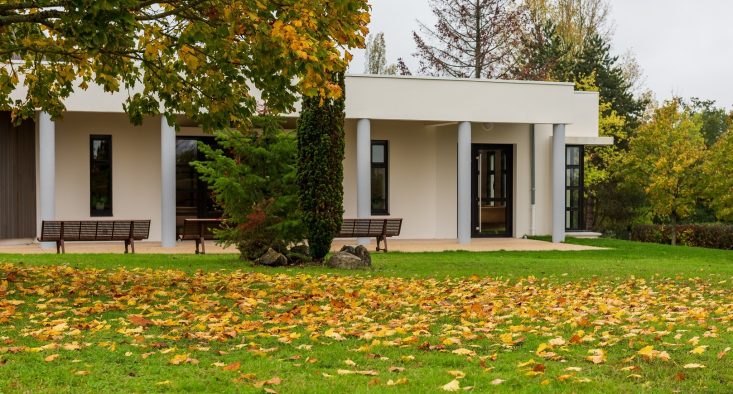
(711, 235)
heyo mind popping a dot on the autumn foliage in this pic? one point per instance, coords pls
(564, 333)
(200, 58)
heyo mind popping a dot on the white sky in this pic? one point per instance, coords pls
(685, 47)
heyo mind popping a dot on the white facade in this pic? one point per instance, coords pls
(429, 170)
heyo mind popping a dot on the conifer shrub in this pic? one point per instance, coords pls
(252, 175)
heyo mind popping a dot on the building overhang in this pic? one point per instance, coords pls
(597, 141)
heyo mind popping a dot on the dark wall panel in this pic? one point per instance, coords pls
(17, 179)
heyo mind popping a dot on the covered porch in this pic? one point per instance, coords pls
(396, 245)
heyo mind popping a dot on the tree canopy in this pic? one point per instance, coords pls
(471, 38)
(201, 58)
(665, 159)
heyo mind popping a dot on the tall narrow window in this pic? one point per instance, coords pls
(100, 175)
(193, 198)
(380, 178)
(574, 180)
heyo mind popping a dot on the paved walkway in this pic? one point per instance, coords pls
(397, 245)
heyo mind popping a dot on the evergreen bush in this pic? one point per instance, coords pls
(252, 175)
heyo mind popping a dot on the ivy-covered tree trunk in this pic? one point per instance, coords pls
(320, 168)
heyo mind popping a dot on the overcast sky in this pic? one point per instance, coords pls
(685, 47)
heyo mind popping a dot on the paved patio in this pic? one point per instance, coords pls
(396, 245)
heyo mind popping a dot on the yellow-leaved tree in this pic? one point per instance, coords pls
(200, 58)
(718, 175)
(665, 159)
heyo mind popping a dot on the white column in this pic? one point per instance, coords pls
(168, 184)
(47, 169)
(363, 172)
(558, 183)
(464, 182)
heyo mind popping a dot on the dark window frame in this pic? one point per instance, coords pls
(578, 210)
(93, 212)
(385, 166)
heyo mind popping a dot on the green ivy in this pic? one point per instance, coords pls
(320, 169)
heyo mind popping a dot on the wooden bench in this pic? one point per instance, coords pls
(60, 231)
(199, 230)
(379, 228)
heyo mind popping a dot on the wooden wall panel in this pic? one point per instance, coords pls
(17, 179)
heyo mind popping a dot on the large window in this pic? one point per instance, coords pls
(574, 179)
(380, 178)
(193, 199)
(100, 175)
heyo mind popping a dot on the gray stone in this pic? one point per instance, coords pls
(349, 249)
(348, 261)
(362, 252)
(271, 258)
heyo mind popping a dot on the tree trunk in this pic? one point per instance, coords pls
(674, 230)
(478, 62)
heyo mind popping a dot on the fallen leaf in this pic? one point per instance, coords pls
(51, 358)
(559, 341)
(453, 385)
(397, 382)
(693, 366)
(457, 374)
(598, 356)
(232, 367)
(497, 381)
(464, 352)
(81, 373)
(699, 350)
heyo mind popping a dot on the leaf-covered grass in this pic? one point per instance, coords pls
(525, 321)
(620, 259)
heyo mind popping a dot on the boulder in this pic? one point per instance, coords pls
(362, 252)
(346, 261)
(351, 258)
(271, 258)
(348, 249)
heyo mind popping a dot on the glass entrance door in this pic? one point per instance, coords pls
(492, 190)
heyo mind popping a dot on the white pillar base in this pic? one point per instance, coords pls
(558, 183)
(464, 183)
(47, 170)
(363, 172)
(168, 184)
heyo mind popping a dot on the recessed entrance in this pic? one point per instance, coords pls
(492, 190)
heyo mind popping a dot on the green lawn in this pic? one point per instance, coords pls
(525, 320)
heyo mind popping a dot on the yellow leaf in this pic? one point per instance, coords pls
(693, 366)
(453, 385)
(51, 358)
(457, 374)
(464, 352)
(699, 350)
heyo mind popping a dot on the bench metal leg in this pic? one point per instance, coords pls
(203, 245)
(198, 241)
(60, 249)
(131, 243)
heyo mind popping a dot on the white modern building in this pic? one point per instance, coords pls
(455, 158)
